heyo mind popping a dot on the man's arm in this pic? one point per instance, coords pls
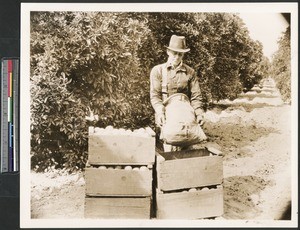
(156, 90)
(156, 95)
(196, 98)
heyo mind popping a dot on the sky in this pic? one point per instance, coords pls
(266, 28)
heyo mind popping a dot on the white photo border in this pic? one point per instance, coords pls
(26, 8)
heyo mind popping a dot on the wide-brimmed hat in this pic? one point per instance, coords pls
(177, 43)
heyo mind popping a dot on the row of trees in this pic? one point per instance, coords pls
(86, 63)
(281, 65)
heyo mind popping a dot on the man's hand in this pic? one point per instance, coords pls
(200, 120)
(160, 119)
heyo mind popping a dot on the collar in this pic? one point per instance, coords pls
(179, 67)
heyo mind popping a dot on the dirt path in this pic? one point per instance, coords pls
(257, 167)
(254, 134)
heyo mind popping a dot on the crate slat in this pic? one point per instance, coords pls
(117, 208)
(176, 174)
(190, 205)
(114, 149)
(118, 182)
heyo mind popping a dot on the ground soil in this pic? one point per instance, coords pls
(254, 134)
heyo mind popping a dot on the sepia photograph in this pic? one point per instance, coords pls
(159, 115)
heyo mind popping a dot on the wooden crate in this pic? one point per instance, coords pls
(117, 207)
(121, 149)
(118, 182)
(190, 205)
(188, 169)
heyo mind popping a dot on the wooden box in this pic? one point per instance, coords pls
(188, 169)
(117, 207)
(121, 148)
(190, 205)
(118, 182)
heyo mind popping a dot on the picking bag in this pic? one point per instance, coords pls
(181, 127)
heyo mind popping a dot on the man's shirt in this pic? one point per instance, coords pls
(181, 79)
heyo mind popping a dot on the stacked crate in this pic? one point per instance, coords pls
(119, 173)
(189, 184)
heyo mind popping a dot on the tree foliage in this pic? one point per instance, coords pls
(281, 65)
(85, 63)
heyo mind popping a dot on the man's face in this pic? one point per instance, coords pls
(175, 57)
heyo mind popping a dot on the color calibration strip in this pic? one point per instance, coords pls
(9, 115)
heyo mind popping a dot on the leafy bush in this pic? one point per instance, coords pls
(97, 68)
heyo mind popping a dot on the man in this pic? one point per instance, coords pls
(174, 77)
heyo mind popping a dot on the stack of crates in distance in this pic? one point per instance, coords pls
(189, 184)
(119, 173)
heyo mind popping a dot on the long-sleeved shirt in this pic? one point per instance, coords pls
(179, 80)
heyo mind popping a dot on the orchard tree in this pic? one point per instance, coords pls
(231, 57)
(281, 65)
(265, 67)
(251, 73)
(81, 64)
(224, 47)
